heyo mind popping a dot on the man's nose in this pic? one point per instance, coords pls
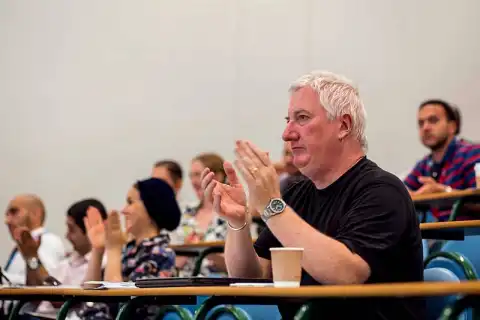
(426, 126)
(426, 129)
(289, 134)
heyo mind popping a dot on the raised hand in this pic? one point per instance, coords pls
(95, 228)
(115, 238)
(229, 201)
(259, 174)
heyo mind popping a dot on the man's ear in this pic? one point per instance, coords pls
(452, 127)
(345, 126)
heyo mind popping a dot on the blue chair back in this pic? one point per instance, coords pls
(262, 312)
(172, 316)
(455, 262)
(425, 249)
(469, 248)
(436, 304)
(254, 312)
(218, 313)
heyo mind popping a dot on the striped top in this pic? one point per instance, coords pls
(455, 170)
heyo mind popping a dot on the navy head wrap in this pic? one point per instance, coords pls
(160, 202)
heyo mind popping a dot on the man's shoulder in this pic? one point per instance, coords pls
(374, 177)
(53, 244)
(379, 194)
(369, 176)
(467, 149)
(51, 237)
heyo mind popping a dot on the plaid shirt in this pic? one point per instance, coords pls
(456, 170)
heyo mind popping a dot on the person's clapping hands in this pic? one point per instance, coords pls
(230, 201)
(259, 173)
(115, 238)
(95, 228)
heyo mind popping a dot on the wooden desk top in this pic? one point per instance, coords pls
(444, 198)
(450, 230)
(352, 291)
(470, 227)
(450, 225)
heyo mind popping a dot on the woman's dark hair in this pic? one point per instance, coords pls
(78, 211)
(173, 168)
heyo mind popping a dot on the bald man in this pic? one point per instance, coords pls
(28, 211)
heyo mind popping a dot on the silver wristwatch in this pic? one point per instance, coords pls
(274, 207)
(33, 263)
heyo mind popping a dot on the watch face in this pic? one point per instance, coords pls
(277, 205)
(33, 263)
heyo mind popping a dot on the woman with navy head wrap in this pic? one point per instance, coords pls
(151, 211)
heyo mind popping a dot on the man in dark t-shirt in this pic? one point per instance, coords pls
(355, 221)
(370, 212)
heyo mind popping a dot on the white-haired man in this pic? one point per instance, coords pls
(355, 221)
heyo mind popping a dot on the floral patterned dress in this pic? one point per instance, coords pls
(151, 258)
(216, 231)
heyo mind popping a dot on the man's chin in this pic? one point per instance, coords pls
(301, 162)
(433, 145)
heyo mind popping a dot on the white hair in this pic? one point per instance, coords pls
(338, 96)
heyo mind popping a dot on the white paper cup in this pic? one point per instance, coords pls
(286, 267)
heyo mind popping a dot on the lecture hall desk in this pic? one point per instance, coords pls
(233, 295)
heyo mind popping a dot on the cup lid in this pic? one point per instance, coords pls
(286, 249)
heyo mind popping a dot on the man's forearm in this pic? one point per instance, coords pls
(325, 259)
(36, 277)
(240, 256)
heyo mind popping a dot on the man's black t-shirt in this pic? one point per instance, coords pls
(370, 211)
